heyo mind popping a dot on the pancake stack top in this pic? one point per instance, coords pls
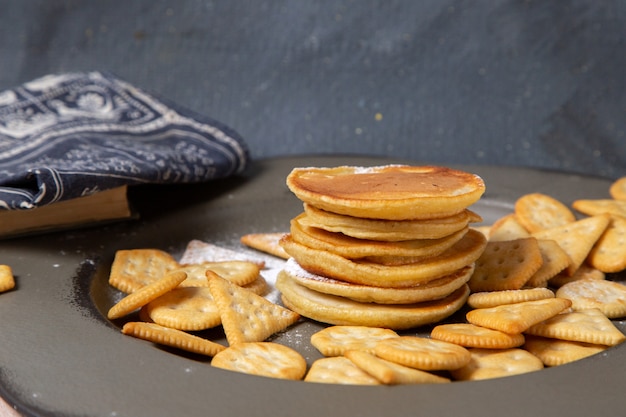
(386, 246)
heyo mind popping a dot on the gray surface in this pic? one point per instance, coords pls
(512, 82)
(60, 357)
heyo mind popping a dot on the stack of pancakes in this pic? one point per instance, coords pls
(388, 246)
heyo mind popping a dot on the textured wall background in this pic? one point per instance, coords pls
(533, 83)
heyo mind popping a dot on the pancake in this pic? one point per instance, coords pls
(432, 290)
(387, 230)
(353, 248)
(335, 310)
(328, 264)
(391, 192)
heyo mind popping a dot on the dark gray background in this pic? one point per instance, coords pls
(509, 82)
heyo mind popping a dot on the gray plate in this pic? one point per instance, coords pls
(59, 356)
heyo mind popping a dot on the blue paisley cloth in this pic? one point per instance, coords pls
(64, 136)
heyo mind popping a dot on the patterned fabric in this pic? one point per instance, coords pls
(69, 135)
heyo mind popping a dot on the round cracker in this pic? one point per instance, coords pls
(537, 211)
(488, 299)
(423, 353)
(471, 336)
(337, 340)
(185, 308)
(263, 359)
(607, 296)
(496, 363)
(618, 189)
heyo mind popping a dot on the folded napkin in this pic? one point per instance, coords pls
(69, 135)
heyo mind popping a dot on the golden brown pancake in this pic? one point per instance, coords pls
(343, 311)
(387, 230)
(353, 248)
(432, 290)
(328, 264)
(392, 192)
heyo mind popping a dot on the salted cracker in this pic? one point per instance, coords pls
(497, 363)
(471, 336)
(266, 359)
(609, 252)
(134, 268)
(185, 308)
(7, 280)
(495, 298)
(246, 316)
(555, 352)
(338, 370)
(337, 340)
(422, 353)
(607, 296)
(537, 211)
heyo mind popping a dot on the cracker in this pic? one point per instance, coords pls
(601, 206)
(422, 353)
(577, 238)
(259, 286)
(497, 363)
(583, 272)
(607, 296)
(609, 252)
(537, 211)
(172, 337)
(555, 352)
(7, 280)
(145, 294)
(266, 359)
(336, 340)
(135, 268)
(265, 242)
(516, 318)
(554, 260)
(507, 228)
(618, 189)
(472, 336)
(495, 298)
(338, 370)
(391, 373)
(589, 326)
(185, 308)
(246, 316)
(506, 265)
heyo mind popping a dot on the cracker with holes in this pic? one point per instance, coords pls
(496, 363)
(607, 296)
(577, 238)
(589, 326)
(135, 268)
(391, 373)
(518, 317)
(263, 359)
(506, 265)
(185, 308)
(555, 352)
(246, 316)
(336, 340)
(537, 211)
(7, 280)
(422, 353)
(145, 294)
(339, 370)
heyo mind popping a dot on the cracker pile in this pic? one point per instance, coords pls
(387, 246)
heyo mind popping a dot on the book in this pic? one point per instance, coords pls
(104, 206)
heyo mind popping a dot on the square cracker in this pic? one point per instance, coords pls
(133, 269)
(506, 265)
(246, 316)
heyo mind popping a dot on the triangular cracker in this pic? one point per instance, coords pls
(518, 317)
(589, 326)
(246, 316)
(555, 260)
(507, 228)
(577, 238)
